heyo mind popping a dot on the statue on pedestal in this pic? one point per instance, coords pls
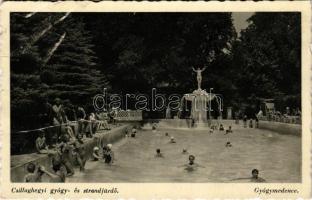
(199, 76)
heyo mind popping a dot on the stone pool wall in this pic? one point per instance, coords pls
(281, 128)
(18, 172)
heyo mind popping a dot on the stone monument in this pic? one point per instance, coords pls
(200, 102)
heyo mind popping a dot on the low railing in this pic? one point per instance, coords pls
(24, 141)
(282, 119)
(129, 115)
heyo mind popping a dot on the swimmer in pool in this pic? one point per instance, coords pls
(191, 166)
(108, 154)
(134, 130)
(254, 177)
(184, 151)
(221, 128)
(228, 144)
(172, 140)
(159, 154)
(154, 127)
(211, 130)
(228, 130)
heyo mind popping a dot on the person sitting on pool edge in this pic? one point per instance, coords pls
(158, 153)
(108, 154)
(172, 140)
(96, 154)
(41, 145)
(254, 177)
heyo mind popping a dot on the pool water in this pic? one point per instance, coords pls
(276, 156)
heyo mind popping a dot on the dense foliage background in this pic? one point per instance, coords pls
(74, 56)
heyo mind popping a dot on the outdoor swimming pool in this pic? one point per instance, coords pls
(276, 156)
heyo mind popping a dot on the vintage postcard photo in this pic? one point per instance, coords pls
(155, 100)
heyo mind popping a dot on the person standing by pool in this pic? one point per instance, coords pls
(250, 123)
(245, 121)
(257, 122)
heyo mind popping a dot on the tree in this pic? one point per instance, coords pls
(267, 58)
(59, 63)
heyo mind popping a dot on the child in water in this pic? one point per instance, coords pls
(108, 154)
(96, 154)
(184, 151)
